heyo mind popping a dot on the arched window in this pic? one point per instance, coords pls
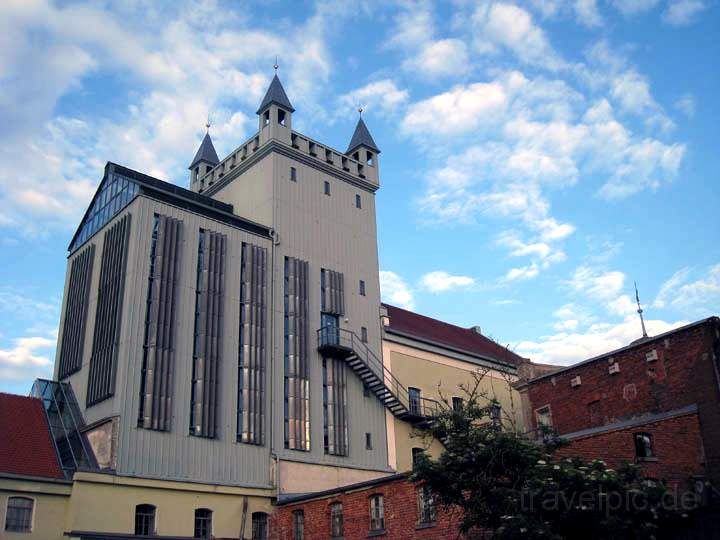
(145, 519)
(203, 523)
(259, 526)
(19, 515)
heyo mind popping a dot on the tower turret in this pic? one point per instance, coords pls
(363, 149)
(275, 113)
(206, 158)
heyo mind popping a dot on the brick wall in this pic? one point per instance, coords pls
(682, 371)
(400, 501)
(676, 444)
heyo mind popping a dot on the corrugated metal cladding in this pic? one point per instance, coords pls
(76, 308)
(335, 402)
(209, 297)
(332, 292)
(253, 348)
(297, 381)
(101, 381)
(159, 350)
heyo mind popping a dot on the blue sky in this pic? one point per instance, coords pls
(537, 156)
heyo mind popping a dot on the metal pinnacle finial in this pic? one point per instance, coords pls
(207, 124)
(360, 110)
(275, 65)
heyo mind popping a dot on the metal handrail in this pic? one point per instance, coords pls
(340, 337)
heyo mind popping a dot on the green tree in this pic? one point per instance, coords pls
(512, 485)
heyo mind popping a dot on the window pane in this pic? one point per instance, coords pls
(19, 514)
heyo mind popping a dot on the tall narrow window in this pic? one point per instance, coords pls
(416, 453)
(337, 529)
(76, 308)
(209, 296)
(332, 292)
(368, 441)
(299, 525)
(496, 415)
(370, 158)
(203, 523)
(335, 430)
(377, 513)
(266, 117)
(158, 365)
(252, 356)
(297, 381)
(363, 334)
(145, 520)
(281, 116)
(643, 446)
(108, 314)
(426, 506)
(358, 201)
(327, 188)
(259, 526)
(293, 174)
(457, 403)
(414, 400)
(362, 287)
(19, 514)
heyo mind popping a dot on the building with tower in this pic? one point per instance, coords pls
(221, 347)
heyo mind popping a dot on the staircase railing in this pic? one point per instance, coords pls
(330, 336)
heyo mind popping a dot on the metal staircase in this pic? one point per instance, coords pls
(343, 344)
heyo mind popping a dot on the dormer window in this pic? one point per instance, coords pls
(266, 117)
(370, 159)
(281, 117)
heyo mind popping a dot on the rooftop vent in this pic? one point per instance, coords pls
(476, 329)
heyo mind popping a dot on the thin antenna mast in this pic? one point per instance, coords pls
(640, 311)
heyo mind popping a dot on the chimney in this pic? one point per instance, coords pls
(476, 329)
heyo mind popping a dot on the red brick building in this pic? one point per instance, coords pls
(655, 402)
(389, 507)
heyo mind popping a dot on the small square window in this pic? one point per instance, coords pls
(293, 174)
(327, 187)
(643, 446)
(362, 287)
(368, 441)
(363, 334)
(358, 201)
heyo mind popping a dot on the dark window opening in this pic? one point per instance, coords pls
(414, 400)
(203, 523)
(358, 201)
(356, 156)
(281, 117)
(643, 446)
(366, 390)
(368, 441)
(293, 141)
(266, 117)
(370, 159)
(259, 526)
(327, 187)
(345, 164)
(363, 334)
(18, 517)
(377, 513)
(312, 149)
(426, 506)
(328, 156)
(336, 521)
(362, 287)
(293, 174)
(416, 453)
(361, 171)
(299, 525)
(457, 403)
(145, 520)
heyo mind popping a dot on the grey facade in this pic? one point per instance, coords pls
(198, 331)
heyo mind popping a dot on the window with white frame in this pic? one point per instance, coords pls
(426, 506)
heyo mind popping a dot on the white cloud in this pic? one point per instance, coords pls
(438, 281)
(683, 12)
(28, 359)
(587, 13)
(459, 110)
(498, 25)
(383, 95)
(439, 58)
(623, 306)
(597, 284)
(395, 290)
(633, 7)
(694, 297)
(566, 348)
(686, 105)
(520, 274)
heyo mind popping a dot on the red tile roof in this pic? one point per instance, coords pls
(25, 444)
(449, 335)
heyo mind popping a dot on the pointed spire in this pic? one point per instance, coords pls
(640, 312)
(206, 152)
(362, 137)
(275, 94)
